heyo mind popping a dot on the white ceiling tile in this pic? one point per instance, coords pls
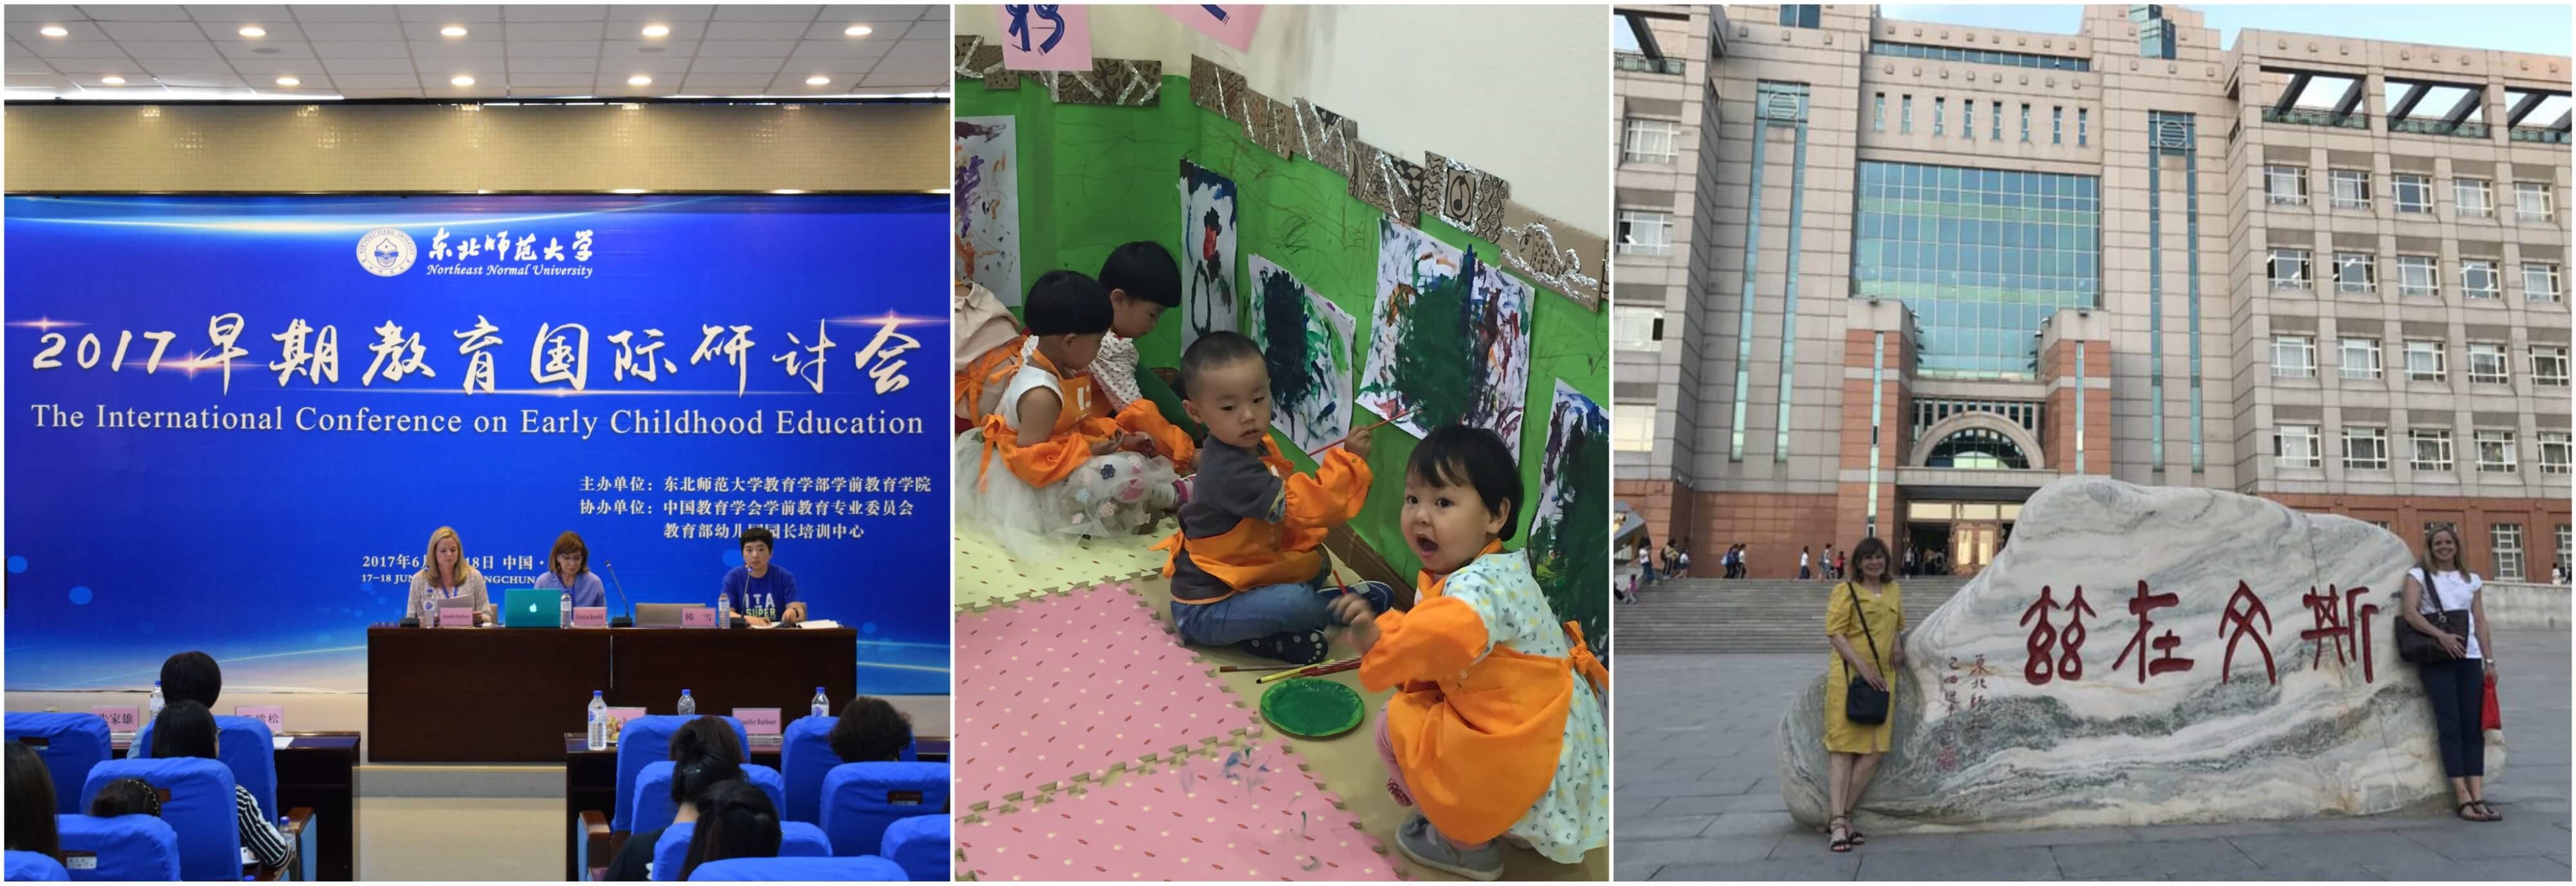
(456, 49)
(134, 79)
(399, 64)
(520, 66)
(475, 32)
(794, 84)
(556, 83)
(124, 31)
(666, 14)
(41, 13)
(699, 84)
(518, 31)
(362, 49)
(265, 15)
(278, 32)
(309, 13)
(376, 81)
(282, 49)
(535, 13)
(748, 12)
(736, 66)
(755, 30)
(58, 49)
(892, 13)
(899, 78)
(353, 30)
(33, 32)
(657, 67)
(197, 48)
(845, 49)
(772, 50)
(17, 63)
(137, 13)
(618, 49)
(201, 80)
(165, 67)
(920, 49)
(267, 68)
(937, 13)
(554, 49)
(883, 30)
(379, 93)
(39, 81)
(635, 30)
(448, 14)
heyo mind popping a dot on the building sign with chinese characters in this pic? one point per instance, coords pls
(2144, 655)
(233, 422)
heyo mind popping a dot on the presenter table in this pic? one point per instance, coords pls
(499, 695)
(590, 784)
(318, 770)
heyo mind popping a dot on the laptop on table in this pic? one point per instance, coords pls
(532, 608)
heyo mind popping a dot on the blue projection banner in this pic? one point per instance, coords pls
(233, 423)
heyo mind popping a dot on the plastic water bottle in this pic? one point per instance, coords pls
(428, 611)
(598, 722)
(822, 703)
(724, 609)
(688, 706)
(563, 617)
(156, 703)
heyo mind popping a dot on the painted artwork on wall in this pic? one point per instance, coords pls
(1569, 535)
(1308, 342)
(987, 211)
(1449, 339)
(1207, 253)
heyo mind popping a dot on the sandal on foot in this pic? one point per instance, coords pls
(1857, 838)
(2488, 810)
(1842, 843)
(2467, 814)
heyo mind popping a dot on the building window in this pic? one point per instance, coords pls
(2473, 197)
(1645, 232)
(2414, 192)
(2478, 278)
(1999, 120)
(2531, 201)
(2554, 452)
(1632, 427)
(2487, 365)
(1968, 119)
(1805, 16)
(2432, 449)
(2360, 358)
(2083, 126)
(1653, 141)
(2057, 125)
(2290, 269)
(2424, 361)
(2355, 273)
(2025, 123)
(2348, 188)
(1637, 329)
(1982, 256)
(2505, 539)
(2549, 365)
(2365, 449)
(2295, 446)
(2563, 536)
(2294, 356)
(1979, 56)
(1878, 114)
(1940, 109)
(1982, 449)
(2416, 278)
(2495, 452)
(2285, 185)
(1905, 114)
(2540, 282)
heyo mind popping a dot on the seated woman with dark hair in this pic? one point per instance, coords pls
(125, 796)
(735, 820)
(870, 731)
(187, 729)
(703, 754)
(31, 804)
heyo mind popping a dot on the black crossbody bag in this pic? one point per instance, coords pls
(1862, 703)
(2422, 648)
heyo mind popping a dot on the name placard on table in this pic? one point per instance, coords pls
(590, 616)
(120, 718)
(698, 617)
(273, 715)
(456, 616)
(757, 721)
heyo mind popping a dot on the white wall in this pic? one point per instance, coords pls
(1522, 92)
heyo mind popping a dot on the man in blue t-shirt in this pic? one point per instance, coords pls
(761, 591)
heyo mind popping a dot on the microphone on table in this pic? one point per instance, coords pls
(623, 621)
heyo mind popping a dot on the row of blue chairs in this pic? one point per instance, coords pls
(197, 815)
(844, 810)
(73, 743)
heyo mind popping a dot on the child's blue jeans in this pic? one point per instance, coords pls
(1256, 613)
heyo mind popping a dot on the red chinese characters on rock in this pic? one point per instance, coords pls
(2237, 622)
(2340, 627)
(2055, 654)
(2140, 605)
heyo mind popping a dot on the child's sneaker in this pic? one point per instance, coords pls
(1293, 647)
(1379, 595)
(1419, 841)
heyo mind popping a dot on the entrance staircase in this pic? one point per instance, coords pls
(1712, 615)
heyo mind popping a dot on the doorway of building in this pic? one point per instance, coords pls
(1958, 538)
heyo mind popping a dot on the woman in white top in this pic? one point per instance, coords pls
(2455, 687)
(446, 576)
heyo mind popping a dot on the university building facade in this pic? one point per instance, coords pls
(1879, 277)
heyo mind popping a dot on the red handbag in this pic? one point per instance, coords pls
(2493, 714)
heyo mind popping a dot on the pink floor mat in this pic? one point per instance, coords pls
(1209, 820)
(1069, 684)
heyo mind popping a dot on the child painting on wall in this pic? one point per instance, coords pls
(1245, 565)
(1142, 282)
(1497, 729)
(1043, 462)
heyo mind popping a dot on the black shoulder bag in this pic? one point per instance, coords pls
(2422, 648)
(1862, 703)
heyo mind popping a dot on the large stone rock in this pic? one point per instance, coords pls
(1987, 738)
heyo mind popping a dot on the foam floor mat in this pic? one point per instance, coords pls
(1247, 813)
(1071, 684)
(987, 575)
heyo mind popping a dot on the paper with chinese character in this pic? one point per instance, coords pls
(1229, 24)
(1449, 339)
(1046, 37)
(1307, 340)
(1207, 253)
(986, 198)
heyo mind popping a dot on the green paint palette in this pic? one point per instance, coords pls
(1312, 707)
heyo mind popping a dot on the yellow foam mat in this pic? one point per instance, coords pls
(987, 575)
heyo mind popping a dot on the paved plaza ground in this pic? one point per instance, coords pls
(1698, 798)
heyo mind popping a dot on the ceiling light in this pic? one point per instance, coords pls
(817, 81)
(639, 80)
(626, 190)
(112, 80)
(858, 31)
(461, 80)
(787, 191)
(54, 31)
(452, 31)
(289, 81)
(254, 31)
(657, 30)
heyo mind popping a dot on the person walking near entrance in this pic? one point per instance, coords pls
(1805, 570)
(2454, 683)
(1909, 561)
(1842, 564)
(1865, 624)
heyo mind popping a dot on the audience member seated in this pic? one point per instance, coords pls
(871, 731)
(864, 868)
(186, 729)
(735, 820)
(31, 806)
(126, 796)
(703, 755)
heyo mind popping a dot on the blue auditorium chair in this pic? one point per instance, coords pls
(126, 848)
(856, 868)
(69, 744)
(861, 799)
(920, 845)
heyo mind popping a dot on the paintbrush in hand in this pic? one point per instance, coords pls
(1347, 437)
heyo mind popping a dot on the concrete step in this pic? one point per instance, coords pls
(1704, 615)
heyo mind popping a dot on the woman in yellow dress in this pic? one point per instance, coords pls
(1865, 621)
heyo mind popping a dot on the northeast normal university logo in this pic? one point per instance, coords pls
(386, 252)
